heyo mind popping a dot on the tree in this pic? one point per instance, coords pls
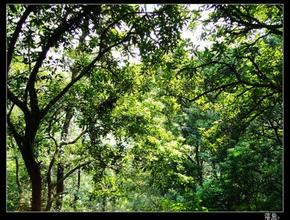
(110, 108)
(244, 86)
(35, 92)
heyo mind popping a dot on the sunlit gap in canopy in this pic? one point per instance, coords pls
(190, 33)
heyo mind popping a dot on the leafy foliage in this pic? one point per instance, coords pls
(111, 109)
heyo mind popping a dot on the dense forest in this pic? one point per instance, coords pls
(137, 107)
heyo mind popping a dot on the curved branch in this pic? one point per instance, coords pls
(73, 170)
(257, 104)
(15, 35)
(18, 138)
(262, 85)
(277, 136)
(249, 21)
(259, 113)
(239, 79)
(85, 71)
(17, 102)
(17, 175)
(15, 134)
(125, 15)
(214, 89)
(48, 174)
(260, 74)
(73, 141)
(65, 26)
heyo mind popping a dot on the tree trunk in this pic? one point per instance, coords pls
(199, 165)
(17, 175)
(19, 206)
(59, 186)
(104, 202)
(35, 176)
(76, 197)
(33, 169)
(49, 200)
(49, 187)
(60, 165)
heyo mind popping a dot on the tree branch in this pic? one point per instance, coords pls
(257, 104)
(65, 26)
(85, 71)
(262, 85)
(125, 15)
(250, 22)
(247, 45)
(48, 175)
(17, 102)
(260, 74)
(73, 170)
(242, 81)
(15, 134)
(275, 128)
(214, 89)
(75, 140)
(18, 138)
(10, 110)
(15, 35)
(17, 175)
(258, 114)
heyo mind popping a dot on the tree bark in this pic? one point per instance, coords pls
(69, 114)
(59, 186)
(60, 165)
(36, 188)
(32, 166)
(26, 147)
(33, 169)
(199, 165)
(76, 197)
(17, 175)
(48, 178)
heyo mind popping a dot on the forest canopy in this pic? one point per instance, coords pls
(137, 107)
